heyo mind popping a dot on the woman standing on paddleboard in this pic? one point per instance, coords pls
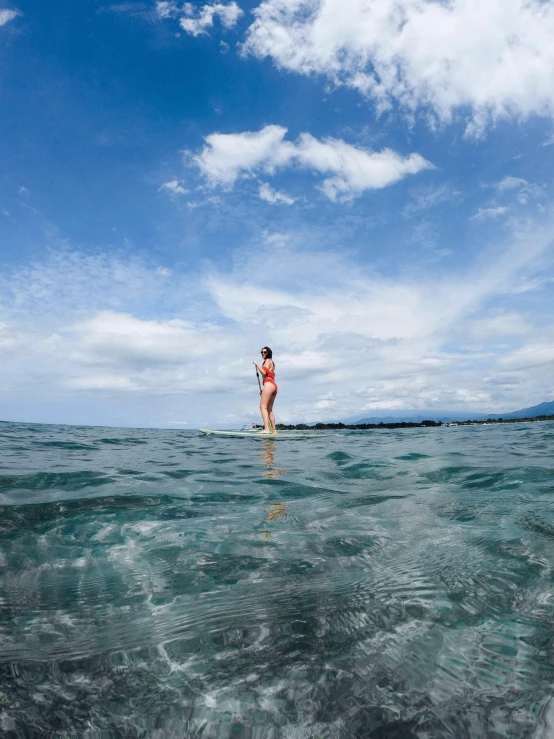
(269, 391)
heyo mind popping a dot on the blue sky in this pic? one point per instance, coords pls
(365, 187)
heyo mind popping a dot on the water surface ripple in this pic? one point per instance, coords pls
(362, 584)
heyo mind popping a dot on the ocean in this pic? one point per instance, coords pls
(389, 583)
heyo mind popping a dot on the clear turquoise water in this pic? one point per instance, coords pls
(367, 584)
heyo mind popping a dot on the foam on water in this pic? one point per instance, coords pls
(381, 583)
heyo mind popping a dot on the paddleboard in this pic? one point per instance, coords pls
(257, 435)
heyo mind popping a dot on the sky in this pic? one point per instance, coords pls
(365, 187)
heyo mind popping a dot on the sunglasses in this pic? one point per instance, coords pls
(263, 351)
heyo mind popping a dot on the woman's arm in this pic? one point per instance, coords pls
(262, 370)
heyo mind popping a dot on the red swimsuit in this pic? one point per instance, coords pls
(270, 377)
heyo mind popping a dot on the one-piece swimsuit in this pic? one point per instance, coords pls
(270, 377)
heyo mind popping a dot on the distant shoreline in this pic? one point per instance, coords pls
(405, 424)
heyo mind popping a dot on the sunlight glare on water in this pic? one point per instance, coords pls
(374, 583)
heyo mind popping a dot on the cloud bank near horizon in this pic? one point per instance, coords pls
(348, 339)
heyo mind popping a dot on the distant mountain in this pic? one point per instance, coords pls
(542, 409)
(394, 416)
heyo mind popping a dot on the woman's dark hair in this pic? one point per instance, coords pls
(269, 354)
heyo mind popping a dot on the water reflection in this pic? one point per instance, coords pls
(268, 460)
(278, 510)
(267, 454)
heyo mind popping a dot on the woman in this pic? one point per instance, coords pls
(269, 391)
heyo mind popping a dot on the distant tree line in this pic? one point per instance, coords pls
(402, 424)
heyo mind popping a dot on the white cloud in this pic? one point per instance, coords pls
(272, 196)
(495, 58)
(526, 191)
(499, 326)
(353, 170)
(535, 354)
(511, 183)
(196, 23)
(7, 15)
(69, 284)
(484, 213)
(111, 336)
(516, 191)
(131, 9)
(428, 197)
(226, 156)
(166, 9)
(174, 187)
(104, 381)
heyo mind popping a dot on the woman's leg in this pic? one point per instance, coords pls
(268, 392)
(270, 412)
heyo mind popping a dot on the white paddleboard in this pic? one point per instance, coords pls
(257, 435)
